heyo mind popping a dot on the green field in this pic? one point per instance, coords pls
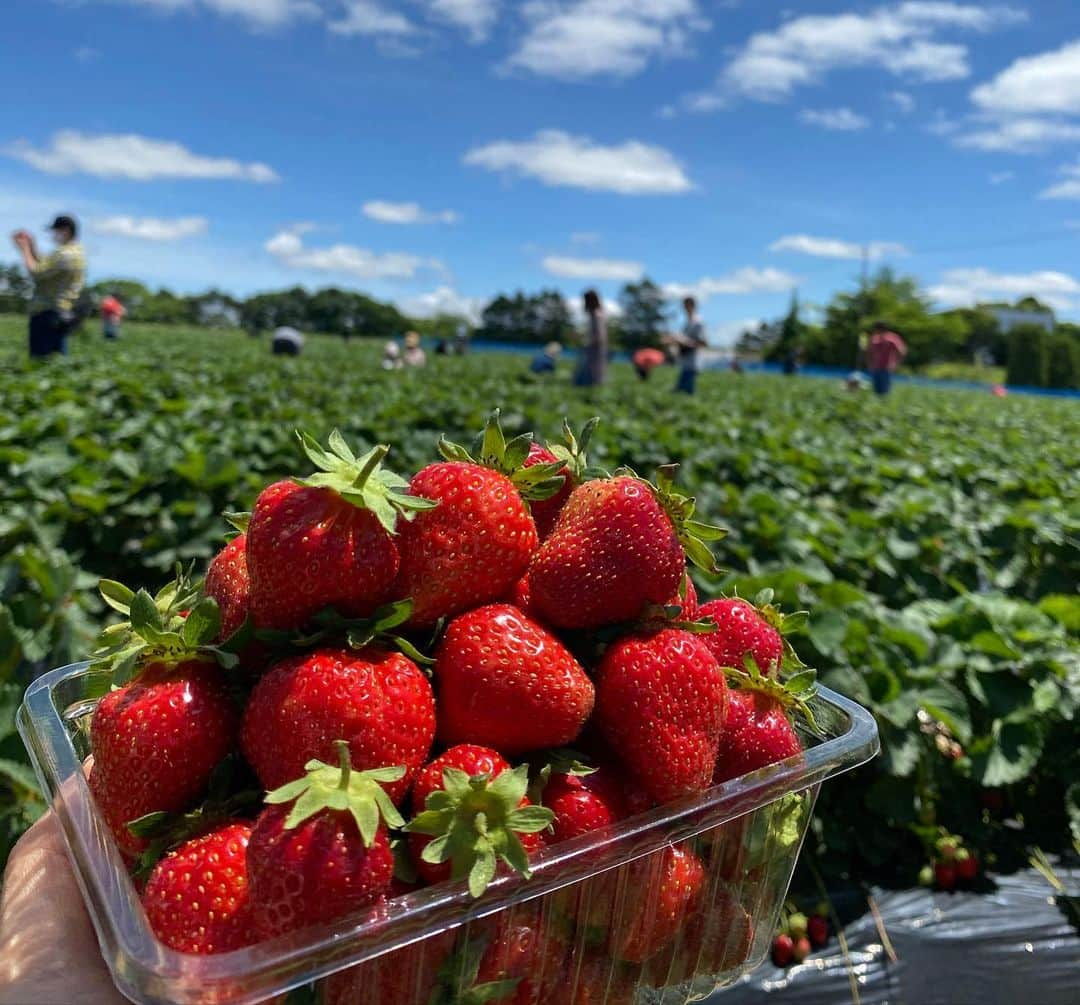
(934, 536)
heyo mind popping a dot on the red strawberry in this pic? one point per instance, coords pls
(660, 704)
(327, 541)
(801, 949)
(227, 582)
(466, 786)
(817, 928)
(405, 977)
(584, 803)
(945, 875)
(741, 631)
(591, 976)
(667, 889)
(783, 950)
(196, 899)
(156, 742)
(470, 549)
(320, 850)
(377, 701)
(506, 682)
(521, 597)
(717, 938)
(967, 866)
(526, 955)
(613, 551)
(546, 511)
(757, 732)
(686, 599)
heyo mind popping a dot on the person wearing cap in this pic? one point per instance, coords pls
(58, 280)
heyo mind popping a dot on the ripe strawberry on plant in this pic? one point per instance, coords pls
(617, 548)
(967, 866)
(945, 875)
(817, 928)
(169, 721)
(507, 682)
(660, 701)
(379, 702)
(320, 849)
(327, 540)
(783, 950)
(472, 813)
(758, 728)
(197, 898)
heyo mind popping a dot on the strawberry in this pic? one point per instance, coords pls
(667, 889)
(507, 682)
(472, 811)
(320, 850)
(660, 705)
(685, 599)
(717, 938)
(757, 728)
(584, 803)
(196, 898)
(801, 949)
(616, 549)
(378, 701)
(521, 597)
(591, 976)
(741, 631)
(228, 583)
(783, 950)
(945, 875)
(159, 735)
(967, 866)
(327, 540)
(468, 551)
(406, 977)
(817, 928)
(546, 511)
(521, 963)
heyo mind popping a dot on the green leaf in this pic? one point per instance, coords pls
(116, 595)
(827, 631)
(202, 624)
(946, 703)
(1063, 608)
(1013, 753)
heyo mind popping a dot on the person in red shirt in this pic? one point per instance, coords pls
(884, 352)
(646, 360)
(112, 311)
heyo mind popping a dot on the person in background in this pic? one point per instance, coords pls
(287, 342)
(593, 366)
(544, 361)
(461, 339)
(112, 313)
(688, 343)
(442, 348)
(414, 354)
(58, 280)
(885, 350)
(391, 359)
(646, 360)
(736, 363)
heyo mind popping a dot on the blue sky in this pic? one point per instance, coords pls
(435, 152)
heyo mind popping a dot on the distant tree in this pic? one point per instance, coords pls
(792, 334)
(1029, 358)
(15, 288)
(1063, 359)
(537, 318)
(645, 314)
(549, 317)
(442, 326)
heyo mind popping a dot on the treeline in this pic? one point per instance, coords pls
(1031, 355)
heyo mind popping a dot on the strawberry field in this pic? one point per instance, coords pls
(933, 537)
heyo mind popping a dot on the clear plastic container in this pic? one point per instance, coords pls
(588, 904)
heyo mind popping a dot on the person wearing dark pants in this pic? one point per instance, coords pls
(58, 281)
(884, 352)
(688, 343)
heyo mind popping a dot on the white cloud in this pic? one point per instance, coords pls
(964, 287)
(557, 158)
(904, 101)
(585, 237)
(744, 280)
(368, 17)
(597, 269)
(477, 17)
(406, 213)
(726, 333)
(136, 158)
(577, 39)
(1068, 187)
(1048, 83)
(1000, 177)
(1019, 136)
(150, 228)
(442, 300)
(831, 247)
(287, 246)
(834, 119)
(902, 39)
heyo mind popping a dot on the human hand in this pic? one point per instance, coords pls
(49, 954)
(21, 238)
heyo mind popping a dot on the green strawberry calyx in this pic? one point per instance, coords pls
(475, 822)
(793, 692)
(176, 625)
(494, 451)
(573, 450)
(361, 481)
(339, 787)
